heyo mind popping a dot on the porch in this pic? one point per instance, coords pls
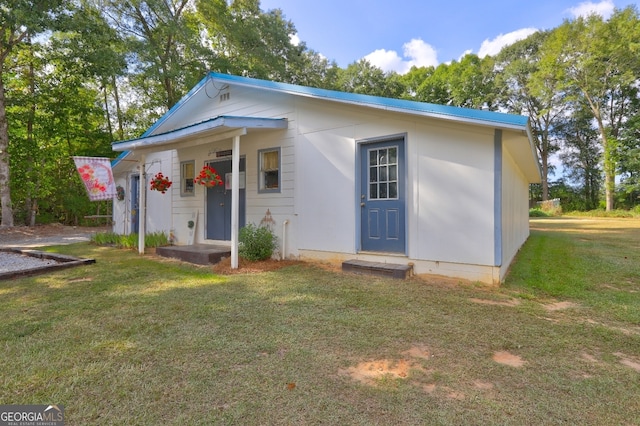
(200, 254)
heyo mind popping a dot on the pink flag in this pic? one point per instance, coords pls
(97, 176)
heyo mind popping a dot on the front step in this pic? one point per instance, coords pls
(377, 268)
(200, 254)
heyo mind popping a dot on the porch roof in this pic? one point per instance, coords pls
(217, 128)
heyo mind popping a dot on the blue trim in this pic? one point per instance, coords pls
(497, 197)
(119, 158)
(219, 122)
(380, 102)
(262, 190)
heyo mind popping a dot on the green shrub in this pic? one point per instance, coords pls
(256, 242)
(538, 213)
(153, 239)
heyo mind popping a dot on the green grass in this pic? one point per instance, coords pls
(130, 241)
(134, 340)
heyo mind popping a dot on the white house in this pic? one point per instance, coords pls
(337, 176)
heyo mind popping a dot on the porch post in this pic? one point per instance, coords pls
(142, 214)
(235, 200)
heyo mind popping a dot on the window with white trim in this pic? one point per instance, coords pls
(269, 170)
(187, 174)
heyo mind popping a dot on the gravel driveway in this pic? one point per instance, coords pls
(46, 235)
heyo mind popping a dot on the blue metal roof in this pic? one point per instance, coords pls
(399, 105)
(390, 104)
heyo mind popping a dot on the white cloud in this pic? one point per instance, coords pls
(415, 53)
(295, 40)
(605, 9)
(493, 47)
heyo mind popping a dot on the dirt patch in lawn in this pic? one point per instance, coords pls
(249, 267)
(559, 306)
(509, 302)
(369, 372)
(506, 358)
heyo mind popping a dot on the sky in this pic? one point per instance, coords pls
(395, 35)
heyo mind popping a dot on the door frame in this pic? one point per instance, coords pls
(361, 147)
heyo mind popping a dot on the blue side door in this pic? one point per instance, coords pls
(383, 197)
(135, 203)
(219, 204)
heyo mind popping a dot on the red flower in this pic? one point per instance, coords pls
(208, 177)
(160, 183)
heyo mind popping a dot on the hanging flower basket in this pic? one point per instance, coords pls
(160, 183)
(208, 177)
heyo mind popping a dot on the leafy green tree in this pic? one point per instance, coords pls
(629, 164)
(532, 84)
(55, 114)
(19, 19)
(248, 41)
(471, 82)
(99, 56)
(166, 52)
(581, 155)
(601, 59)
(315, 71)
(367, 79)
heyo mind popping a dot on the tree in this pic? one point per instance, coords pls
(581, 155)
(601, 59)
(166, 52)
(55, 113)
(250, 42)
(629, 165)
(18, 20)
(532, 84)
(367, 79)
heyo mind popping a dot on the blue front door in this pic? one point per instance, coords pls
(382, 196)
(219, 203)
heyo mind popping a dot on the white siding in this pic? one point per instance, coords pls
(515, 211)
(242, 102)
(454, 205)
(158, 211)
(450, 182)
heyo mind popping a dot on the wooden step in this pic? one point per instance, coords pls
(377, 268)
(200, 254)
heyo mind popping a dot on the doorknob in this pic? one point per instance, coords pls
(221, 204)
(361, 204)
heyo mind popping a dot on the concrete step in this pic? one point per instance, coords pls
(200, 254)
(377, 268)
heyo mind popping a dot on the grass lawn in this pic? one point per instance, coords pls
(137, 340)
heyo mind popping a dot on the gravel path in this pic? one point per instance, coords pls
(45, 235)
(24, 237)
(11, 262)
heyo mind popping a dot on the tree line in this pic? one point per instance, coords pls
(76, 75)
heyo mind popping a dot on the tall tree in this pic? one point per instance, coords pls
(367, 79)
(251, 42)
(18, 20)
(581, 154)
(601, 60)
(532, 84)
(165, 44)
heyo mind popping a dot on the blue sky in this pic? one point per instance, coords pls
(394, 35)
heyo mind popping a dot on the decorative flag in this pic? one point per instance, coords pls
(97, 176)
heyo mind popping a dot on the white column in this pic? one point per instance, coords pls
(142, 211)
(235, 200)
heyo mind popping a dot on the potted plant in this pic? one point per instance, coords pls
(160, 183)
(208, 177)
